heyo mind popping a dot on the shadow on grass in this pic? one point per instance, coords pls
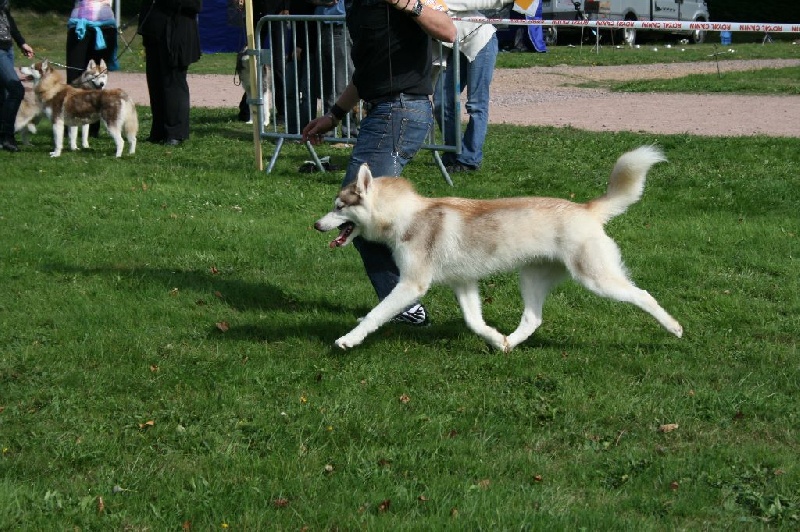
(309, 318)
(326, 331)
(236, 293)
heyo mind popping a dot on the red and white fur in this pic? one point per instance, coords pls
(66, 105)
(457, 242)
(30, 112)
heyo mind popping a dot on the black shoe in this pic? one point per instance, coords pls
(10, 144)
(154, 140)
(173, 142)
(416, 316)
(458, 168)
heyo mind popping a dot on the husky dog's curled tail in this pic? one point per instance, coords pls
(626, 184)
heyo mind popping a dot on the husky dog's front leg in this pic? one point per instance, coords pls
(58, 137)
(402, 297)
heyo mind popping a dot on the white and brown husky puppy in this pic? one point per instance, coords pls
(66, 105)
(95, 76)
(456, 242)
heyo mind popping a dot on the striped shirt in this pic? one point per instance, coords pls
(93, 10)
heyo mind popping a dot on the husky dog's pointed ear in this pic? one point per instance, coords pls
(363, 180)
(103, 66)
(91, 64)
(45, 65)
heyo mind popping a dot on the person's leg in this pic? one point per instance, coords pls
(294, 74)
(389, 137)
(342, 62)
(11, 94)
(328, 63)
(478, 81)
(155, 89)
(109, 53)
(444, 108)
(278, 51)
(303, 81)
(176, 116)
(337, 68)
(77, 53)
(170, 99)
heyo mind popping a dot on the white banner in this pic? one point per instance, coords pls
(648, 25)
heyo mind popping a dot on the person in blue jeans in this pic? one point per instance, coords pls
(392, 60)
(11, 89)
(475, 62)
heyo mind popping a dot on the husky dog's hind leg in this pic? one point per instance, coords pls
(469, 298)
(599, 268)
(535, 283)
(131, 127)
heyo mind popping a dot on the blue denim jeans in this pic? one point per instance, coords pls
(476, 76)
(389, 136)
(11, 93)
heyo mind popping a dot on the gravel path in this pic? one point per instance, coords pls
(549, 96)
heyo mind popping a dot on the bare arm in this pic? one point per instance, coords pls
(435, 23)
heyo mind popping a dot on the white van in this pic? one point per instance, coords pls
(653, 10)
(658, 10)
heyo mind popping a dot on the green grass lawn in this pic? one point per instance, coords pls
(166, 357)
(167, 328)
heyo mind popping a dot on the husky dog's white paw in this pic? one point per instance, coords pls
(349, 340)
(507, 346)
(55, 154)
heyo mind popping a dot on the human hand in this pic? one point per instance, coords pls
(316, 128)
(27, 50)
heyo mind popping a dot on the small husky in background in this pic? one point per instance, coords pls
(94, 77)
(243, 60)
(67, 106)
(457, 242)
(30, 110)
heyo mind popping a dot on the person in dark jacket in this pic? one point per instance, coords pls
(11, 89)
(171, 41)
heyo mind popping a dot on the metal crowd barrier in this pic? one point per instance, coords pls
(305, 77)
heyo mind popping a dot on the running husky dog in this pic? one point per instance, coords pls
(457, 241)
(30, 111)
(66, 105)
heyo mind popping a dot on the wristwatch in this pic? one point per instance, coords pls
(416, 10)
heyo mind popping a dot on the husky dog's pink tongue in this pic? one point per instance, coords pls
(344, 232)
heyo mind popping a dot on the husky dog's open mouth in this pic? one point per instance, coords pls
(345, 230)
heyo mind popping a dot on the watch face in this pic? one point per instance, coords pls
(417, 11)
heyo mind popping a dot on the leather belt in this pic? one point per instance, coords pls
(370, 105)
